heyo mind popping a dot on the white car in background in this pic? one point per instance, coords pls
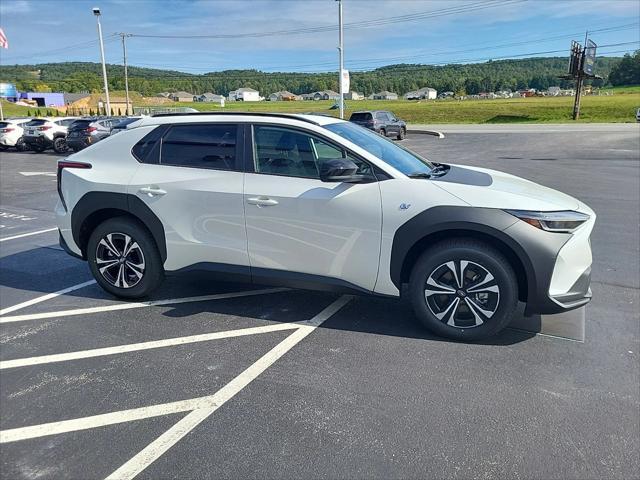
(44, 133)
(11, 131)
(315, 202)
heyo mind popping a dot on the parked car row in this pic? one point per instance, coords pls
(58, 133)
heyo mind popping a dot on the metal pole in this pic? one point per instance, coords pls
(1, 111)
(126, 75)
(104, 67)
(341, 50)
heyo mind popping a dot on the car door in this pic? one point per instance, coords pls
(193, 183)
(394, 128)
(313, 230)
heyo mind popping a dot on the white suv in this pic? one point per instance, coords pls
(315, 202)
(43, 133)
(11, 132)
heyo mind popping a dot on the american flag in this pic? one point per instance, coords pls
(4, 43)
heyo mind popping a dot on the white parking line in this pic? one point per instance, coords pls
(46, 297)
(28, 234)
(127, 306)
(164, 442)
(208, 403)
(135, 347)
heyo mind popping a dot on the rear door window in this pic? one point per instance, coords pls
(211, 146)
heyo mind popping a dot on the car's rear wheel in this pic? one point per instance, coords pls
(3, 148)
(463, 289)
(402, 134)
(124, 258)
(21, 145)
(60, 145)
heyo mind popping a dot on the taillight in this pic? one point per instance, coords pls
(42, 129)
(6, 130)
(61, 166)
(90, 129)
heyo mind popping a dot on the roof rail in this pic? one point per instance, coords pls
(249, 114)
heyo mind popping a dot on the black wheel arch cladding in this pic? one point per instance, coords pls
(95, 207)
(532, 250)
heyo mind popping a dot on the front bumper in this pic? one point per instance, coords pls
(8, 141)
(558, 267)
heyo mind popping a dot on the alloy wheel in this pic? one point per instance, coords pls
(120, 260)
(462, 294)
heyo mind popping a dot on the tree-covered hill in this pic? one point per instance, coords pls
(539, 73)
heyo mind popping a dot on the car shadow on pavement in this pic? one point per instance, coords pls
(47, 269)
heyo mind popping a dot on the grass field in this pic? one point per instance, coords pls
(614, 108)
(618, 107)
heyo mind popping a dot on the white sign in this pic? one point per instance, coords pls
(345, 81)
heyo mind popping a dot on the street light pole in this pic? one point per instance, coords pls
(341, 50)
(96, 12)
(126, 75)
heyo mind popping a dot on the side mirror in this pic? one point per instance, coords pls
(339, 170)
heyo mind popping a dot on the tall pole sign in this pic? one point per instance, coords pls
(581, 66)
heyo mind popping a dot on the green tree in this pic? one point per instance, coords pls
(28, 113)
(627, 71)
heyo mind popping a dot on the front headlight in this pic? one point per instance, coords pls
(561, 222)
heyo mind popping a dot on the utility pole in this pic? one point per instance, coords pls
(126, 75)
(341, 50)
(581, 67)
(96, 12)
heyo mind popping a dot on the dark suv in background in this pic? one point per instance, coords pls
(382, 122)
(87, 131)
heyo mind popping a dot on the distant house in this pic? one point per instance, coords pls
(181, 97)
(353, 96)
(44, 99)
(283, 96)
(425, 93)
(553, 91)
(163, 95)
(322, 95)
(244, 94)
(384, 95)
(209, 98)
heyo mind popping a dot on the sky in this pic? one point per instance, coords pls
(265, 34)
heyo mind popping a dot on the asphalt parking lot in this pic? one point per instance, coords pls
(211, 380)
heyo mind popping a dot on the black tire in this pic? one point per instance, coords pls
(383, 132)
(3, 148)
(60, 145)
(402, 134)
(147, 251)
(21, 146)
(482, 261)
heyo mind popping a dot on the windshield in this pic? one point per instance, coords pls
(398, 157)
(35, 122)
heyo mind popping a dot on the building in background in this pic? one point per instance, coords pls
(384, 95)
(283, 96)
(181, 97)
(425, 93)
(209, 98)
(353, 96)
(8, 92)
(245, 94)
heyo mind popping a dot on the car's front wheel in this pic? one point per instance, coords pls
(124, 259)
(463, 289)
(402, 134)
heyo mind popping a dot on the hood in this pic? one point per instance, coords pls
(482, 187)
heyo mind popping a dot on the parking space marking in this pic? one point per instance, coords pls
(27, 234)
(164, 442)
(127, 306)
(46, 297)
(135, 347)
(209, 403)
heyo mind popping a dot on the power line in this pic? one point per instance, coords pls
(469, 7)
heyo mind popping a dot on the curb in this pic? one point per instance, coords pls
(427, 132)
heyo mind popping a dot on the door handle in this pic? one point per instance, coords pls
(152, 191)
(262, 201)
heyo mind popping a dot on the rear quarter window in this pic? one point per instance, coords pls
(360, 117)
(211, 146)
